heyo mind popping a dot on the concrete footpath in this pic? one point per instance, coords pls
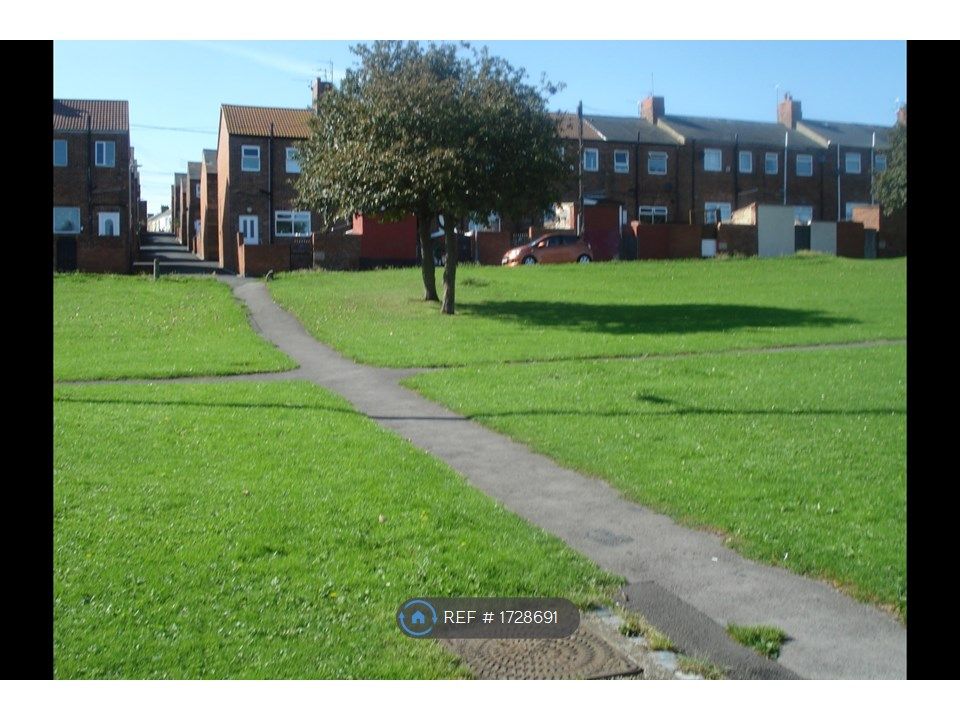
(688, 573)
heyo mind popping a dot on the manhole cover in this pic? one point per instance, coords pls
(582, 656)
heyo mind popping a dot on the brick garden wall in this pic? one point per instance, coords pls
(850, 239)
(661, 242)
(257, 260)
(737, 239)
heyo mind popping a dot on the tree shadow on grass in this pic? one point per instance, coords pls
(627, 319)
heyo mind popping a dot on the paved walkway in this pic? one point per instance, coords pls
(173, 257)
(687, 573)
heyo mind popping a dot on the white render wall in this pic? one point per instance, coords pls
(775, 235)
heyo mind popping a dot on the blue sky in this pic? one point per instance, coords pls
(175, 88)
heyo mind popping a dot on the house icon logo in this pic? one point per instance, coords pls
(417, 618)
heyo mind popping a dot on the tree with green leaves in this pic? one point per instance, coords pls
(432, 131)
(890, 185)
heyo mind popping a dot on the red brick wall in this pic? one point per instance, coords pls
(209, 246)
(850, 239)
(667, 241)
(737, 239)
(257, 260)
(103, 255)
(490, 247)
(336, 252)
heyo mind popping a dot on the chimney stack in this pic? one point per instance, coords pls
(319, 88)
(651, 108)
(788, 112)
(902, 116)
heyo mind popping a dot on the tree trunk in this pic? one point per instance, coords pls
(427, 268)
(450, 269)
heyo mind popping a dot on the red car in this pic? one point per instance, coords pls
(550, 248)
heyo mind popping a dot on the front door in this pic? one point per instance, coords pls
(250, 229)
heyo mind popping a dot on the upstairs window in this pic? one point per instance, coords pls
(59, 153)
(880, 163)
(804, 165)
(771, 163)
(250, 158)
(712, 160)
(852, 163)
(746, 161)
(198, 191)
(621, 161)
(656, 163)
(105, 153)
(591, 159)
(293, 160)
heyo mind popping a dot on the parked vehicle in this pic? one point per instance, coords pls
(550, 248)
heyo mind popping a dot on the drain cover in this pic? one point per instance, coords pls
(582, 656)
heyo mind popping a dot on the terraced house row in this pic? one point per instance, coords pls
(664, 168)
(236, 204)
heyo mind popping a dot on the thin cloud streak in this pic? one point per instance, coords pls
(270, 60)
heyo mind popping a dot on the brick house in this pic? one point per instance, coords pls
(94, 212)
(661, 168)
(208, 244)
(256, 166)
(193, 204)
(180, 207)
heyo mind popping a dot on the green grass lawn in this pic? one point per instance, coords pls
(111, 327)
(234, 531)
(600, 310)
(799, 457)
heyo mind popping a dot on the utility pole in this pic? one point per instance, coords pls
(580, 168)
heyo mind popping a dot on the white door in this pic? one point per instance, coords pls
(250, 229)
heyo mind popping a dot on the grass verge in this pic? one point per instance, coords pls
(245, 530)
(798, 458)
(112, 327)
(600, 310)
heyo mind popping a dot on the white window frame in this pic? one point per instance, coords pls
(293, 163)
(244, 157)
(198, 191)
(807, 158)
(878, 160)
(100, 153)
(848, 208)
(103, 218)
(653, 213)
(711, 153)
(66, 153)
(591, 153)
(293, 217)
(745, 167)
(656, 155)
(75, 211)
(848, 164)
(724, 207)
(802, 214)
(775, 157)
(621, 167)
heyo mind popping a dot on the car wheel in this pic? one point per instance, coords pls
(583, 259)
(529, 260)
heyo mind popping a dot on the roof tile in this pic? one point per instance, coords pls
(255, 121)
(105, 115)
